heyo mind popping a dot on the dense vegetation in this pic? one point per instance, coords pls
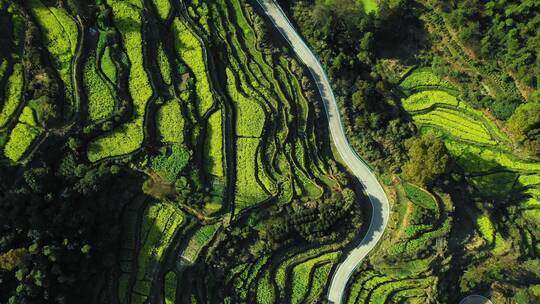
(148, 155)
(464, 72)
(178, 151)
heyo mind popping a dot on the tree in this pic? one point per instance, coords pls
(428, 159)
(12, 259)
(524, 125)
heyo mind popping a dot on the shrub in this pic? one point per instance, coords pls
(169, 163)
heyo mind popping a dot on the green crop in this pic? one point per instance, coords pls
(420, 197)
(107, 65)
(3, 67)
(13, 94)
(170, 288)
(248, 190)
(20, 139)
(170, 122)
(529, 180)
(100, 100)
(199, 240)
(250, 115)
(160, 223)
(191, 52)
(164, 65)
(426, 99)
(477, 159)
(214, 144)
(163, 8)
(301, 275)
(127, 138)
(169, 164)
(27, 117)
(61, 36)
(457, 124)
(265, 290)
(486, 227)
(422, 77)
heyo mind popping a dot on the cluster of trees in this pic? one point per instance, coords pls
(505, 30)
(525, 125)
(499, 275)
(325, 220)
(60, 226)
(312, 220)
(59, 215)
(346, 40)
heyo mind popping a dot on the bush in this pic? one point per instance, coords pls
(170, 162)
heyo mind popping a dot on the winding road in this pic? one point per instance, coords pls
(357, 166)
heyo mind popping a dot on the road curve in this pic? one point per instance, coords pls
(475, 299)
(358, 167)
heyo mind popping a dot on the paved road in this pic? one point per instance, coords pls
(475, 299)
(373, 189)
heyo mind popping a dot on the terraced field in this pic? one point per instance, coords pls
(406, 267)
(160, 151)
(413, 256)
(480, 147)
(275, 137)
(223, 130)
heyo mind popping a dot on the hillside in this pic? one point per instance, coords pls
(257, 151)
